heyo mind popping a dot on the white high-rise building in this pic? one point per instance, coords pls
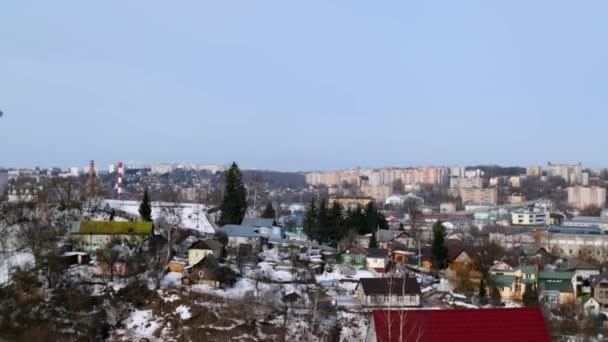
(582, 197)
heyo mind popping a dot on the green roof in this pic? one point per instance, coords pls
(555, 275)
(113, 227)
(504, 280)
(564, 286)
(527, 269)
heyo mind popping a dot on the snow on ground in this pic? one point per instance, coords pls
(354, 326)
(193, 215)
(183, 312)
(238, 291)
(512, 304)
(364, 274)
(21, 260)
(168, 299)
(274, 275)
(171, 279)
(142, 324)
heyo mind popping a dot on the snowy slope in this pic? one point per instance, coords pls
(193, 215)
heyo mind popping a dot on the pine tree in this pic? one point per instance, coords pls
(322, 222)
(439, 251)
(373, 241)
(145, 208)
(310, 218)
(482, 291)
(495, 295)
(371, 219)
(234, 204)
(530, 297)
(269, 212)
(336, 219)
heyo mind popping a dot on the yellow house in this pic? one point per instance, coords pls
(200, 249)
(512, 282)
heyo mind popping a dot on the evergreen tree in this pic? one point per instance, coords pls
(482, 291)
(530, 297)
(145, 208)
(373, 241)
(310, 218)
(323, 222)
(371, 219)
(495, 295)
(234, 204)
(269, 212)
(438, 249)
(336, 220)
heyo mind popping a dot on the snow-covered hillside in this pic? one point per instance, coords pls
(193, 215)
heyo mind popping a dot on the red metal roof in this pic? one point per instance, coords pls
(470, 325)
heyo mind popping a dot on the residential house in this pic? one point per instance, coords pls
(92, 235)
(556, 287)
(393, 292)
(267, 228)
(496, 325)
(458, 256)
(591, 306)
(242, 235)
(355, 256)
(599, 285)
(390, 238)
(512, 281)
(176, 265)
(376, 259)
(201, 248)
(401, 256)
(583, 271)
(202, 272)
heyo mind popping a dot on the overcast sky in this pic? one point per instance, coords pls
(300, 85)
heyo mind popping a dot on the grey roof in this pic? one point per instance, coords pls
(377, 252)
(241, 231)
(590, 219)
(596, 279)
(384, 235)
(257, 222)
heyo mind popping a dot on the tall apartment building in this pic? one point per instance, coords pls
(476, 195)
(381, 176)
(461, 182)
(572, 173)
(582, 197)
(534, 171)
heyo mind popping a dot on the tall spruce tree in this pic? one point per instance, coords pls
(323, 222)
(269, 212)
(438, 249)
(145, 208)
(336, 219)
(310, 219)
(234, 204)
(373, 241)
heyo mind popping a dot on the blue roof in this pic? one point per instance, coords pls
(240, 230)
(257, 222)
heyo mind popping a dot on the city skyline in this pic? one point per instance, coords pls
(300, 87)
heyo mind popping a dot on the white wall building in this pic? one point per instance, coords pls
(582, 197)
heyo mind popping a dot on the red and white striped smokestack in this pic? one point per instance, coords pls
(119, 180)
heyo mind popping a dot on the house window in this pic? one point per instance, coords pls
(386, 299)
(200, 274)
(501, 288)
(528, 276)
(412, 298)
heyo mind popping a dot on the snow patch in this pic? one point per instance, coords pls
(183, 312)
